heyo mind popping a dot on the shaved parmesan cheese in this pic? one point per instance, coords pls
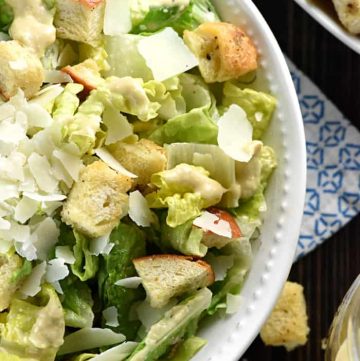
(47, 95)
(26, 250)
(41, 170)
(130, 282)
(45, 237)
(25, 209)
(57, 287)
(110, 315)
(211, 222)
(60, 173)
(148, 315)
(45, 198)
(166, 54)
(117, 125)
(139, 210)
(8, 190)
(117, 18)
(65, 253)
(12, 132)
(233, 303)
(56, 270)
(56, 77)
(220, 265)
(98, 245)
(235, 135)
(37, 116)
(105, 156)
(89, 338)
(32, 284)
(4, 224)
(72, 163)
(117, 353)
(108, 248)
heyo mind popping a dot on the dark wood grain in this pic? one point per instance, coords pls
(328, 272)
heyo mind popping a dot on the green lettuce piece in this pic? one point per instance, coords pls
(77, 303)
(184, 238)
(60, 54)
(129, 243)
(241, 250)
(67, 102)
(267, 159)
(124, 57)
(185, 190)
(83, 357)
(86, 265)
(187, 349)
(258, 106)
(177, 323)
(98, 54)
(5, 356)
(169, 95)
(34, 328)
(6, 16)
(195, 126)
(177, 17)
(13, 270)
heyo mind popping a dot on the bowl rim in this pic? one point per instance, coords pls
(248, 321)
(335, 28)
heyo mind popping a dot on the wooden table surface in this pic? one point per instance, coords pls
(328, 272)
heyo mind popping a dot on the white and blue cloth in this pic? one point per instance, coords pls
(333, 166)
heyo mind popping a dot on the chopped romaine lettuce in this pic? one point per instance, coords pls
(186, 350)
(129, 243)
(6, 16)
(258, 106)
(179, 322)
(77, 303)
(98, 54)
(185, 190)
(67, 102)
(184, 238)
(34, 328)
(59, 54)
(177, 16)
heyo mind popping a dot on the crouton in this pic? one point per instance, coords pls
(80, 20)
(143, 158)
(349, 14)
(9, 264)
(20, 68)
(287, 324)
(97, 201)
(86, 73)
(168, 276)
(224, 51)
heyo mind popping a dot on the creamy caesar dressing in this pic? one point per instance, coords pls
(32, 25)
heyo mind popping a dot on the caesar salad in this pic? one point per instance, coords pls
(132, 176)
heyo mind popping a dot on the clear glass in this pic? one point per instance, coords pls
(344, 335)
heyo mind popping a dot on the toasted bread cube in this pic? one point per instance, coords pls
(20, 68)
(143, 158)
(97, 201)
(349, 14)
(287, 325)
(167, 276)
(224, 51)
(80, 20)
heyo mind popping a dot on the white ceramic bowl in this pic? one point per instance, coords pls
(332, 25)
(229, 338)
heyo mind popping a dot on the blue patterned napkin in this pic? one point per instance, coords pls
(333, 165)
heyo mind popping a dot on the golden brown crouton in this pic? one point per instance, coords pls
(20, 68)
(349, 14)
(165, 276)
(80, 20)
(97, 201)
(287, 324)
(143, 158)
(224, 51)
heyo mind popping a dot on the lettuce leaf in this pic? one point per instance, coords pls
(185, 190)
(259, 106)
(177, 17)
(129, 243)
(67, 102)
(77, 303)
(177, 323)
(187, 349)
(26, 331)
(184, 238)
(6, 16)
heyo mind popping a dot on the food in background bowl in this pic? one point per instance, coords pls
(133, 177)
